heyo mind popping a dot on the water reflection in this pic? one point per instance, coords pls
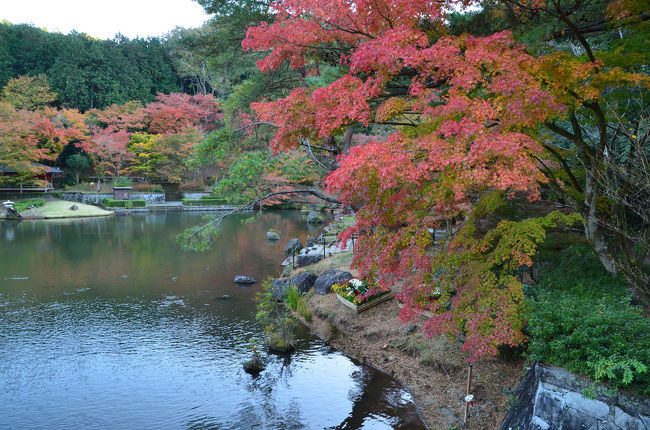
(112, 326)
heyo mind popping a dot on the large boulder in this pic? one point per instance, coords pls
(314, 218)
(241, 279)
(279, 288)
(272, 235)
(303, 282)
(308, 259)
(324, 282)
(294, 245)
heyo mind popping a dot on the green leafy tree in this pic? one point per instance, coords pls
(28, 92)
(244, 181)
(79, 164)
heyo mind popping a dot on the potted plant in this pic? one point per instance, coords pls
(360, 295)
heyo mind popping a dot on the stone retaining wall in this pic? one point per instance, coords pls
(549, 398)
(194, 196)
(96, 198)
(208, 208)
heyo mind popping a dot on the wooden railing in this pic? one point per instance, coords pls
(28, 188)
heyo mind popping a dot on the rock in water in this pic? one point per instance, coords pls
(271, 235)
(241, 279)
(314, 218)
(294, 245)
(254, 366)
(324, 282)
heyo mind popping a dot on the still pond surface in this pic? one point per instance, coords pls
(106, 324)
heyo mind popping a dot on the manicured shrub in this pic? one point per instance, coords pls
(24, 204)
(580, 318)
(204, 202)
(127, 204)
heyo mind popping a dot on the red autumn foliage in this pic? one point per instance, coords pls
(471, 101)
(172, 113)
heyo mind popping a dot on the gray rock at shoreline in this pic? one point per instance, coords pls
(307, 260)
(303, 282)
(271, 235)
(294, 245)
(314, 218)
(241, 279)
(324, 282)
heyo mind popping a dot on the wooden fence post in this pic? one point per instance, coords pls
(468, 399)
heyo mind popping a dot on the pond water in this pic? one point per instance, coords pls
(106, 324)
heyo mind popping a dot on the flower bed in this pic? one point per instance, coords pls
(128, 204)
(360, 295)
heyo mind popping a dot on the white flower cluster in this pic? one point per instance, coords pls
(356, 283)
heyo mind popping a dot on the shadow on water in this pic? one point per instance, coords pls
(106, 323)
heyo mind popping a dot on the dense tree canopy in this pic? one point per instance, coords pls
(85, 72)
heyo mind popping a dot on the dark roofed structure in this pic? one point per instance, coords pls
(46, 175)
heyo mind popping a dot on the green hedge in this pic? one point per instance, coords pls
(128, 204)
(580, 318)
(21, 205)
(204, 202)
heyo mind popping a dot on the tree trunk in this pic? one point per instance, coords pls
(594, 234)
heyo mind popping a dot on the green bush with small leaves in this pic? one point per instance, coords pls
(581, 318)
(24, 204)
(204, 202)
(127, 204)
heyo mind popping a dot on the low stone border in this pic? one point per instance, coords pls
(208, 208)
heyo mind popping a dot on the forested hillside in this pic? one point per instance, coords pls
(84, 72)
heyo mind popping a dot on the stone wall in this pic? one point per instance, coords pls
(208, 208)
(194, 196)
(549, 398)
(96, 198)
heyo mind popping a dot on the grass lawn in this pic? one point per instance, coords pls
(61, 209)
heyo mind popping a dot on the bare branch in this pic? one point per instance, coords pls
(200, 237)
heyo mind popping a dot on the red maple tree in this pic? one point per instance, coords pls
(464, 132)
